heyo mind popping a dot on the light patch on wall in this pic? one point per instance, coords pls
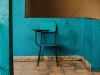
(63, 8)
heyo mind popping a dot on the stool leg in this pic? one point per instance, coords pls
(56, 55)
(39, 56)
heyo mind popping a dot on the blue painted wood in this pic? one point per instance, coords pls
(51, 26)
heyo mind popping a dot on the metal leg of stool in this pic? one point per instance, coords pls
(39, 56)
(56, 55)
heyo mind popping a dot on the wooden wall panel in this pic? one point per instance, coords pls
(62, 8)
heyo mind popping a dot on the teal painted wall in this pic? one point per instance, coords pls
(96, 46)
(4, 38)
(69, 34)
(91, 43)
(75, 36)
(88, 39)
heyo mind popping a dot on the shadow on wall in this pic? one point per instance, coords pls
(66, 46)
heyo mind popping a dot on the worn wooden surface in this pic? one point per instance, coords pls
(86, 63)
(34, 58)
(50, 68)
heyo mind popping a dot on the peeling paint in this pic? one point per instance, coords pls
(4, 38)
(91, 40)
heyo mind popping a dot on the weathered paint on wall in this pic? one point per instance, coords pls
(69, 34)
(4, 38)
(88, 39)
(75, 36)
(96, 46)
(91, 43)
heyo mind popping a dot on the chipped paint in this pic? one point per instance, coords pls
(91, 40)
(86, 63)
(96, 47)
(34, 58)
(4, 38)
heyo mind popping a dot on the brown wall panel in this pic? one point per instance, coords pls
(62, 8)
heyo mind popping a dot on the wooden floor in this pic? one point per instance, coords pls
(50, 68)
